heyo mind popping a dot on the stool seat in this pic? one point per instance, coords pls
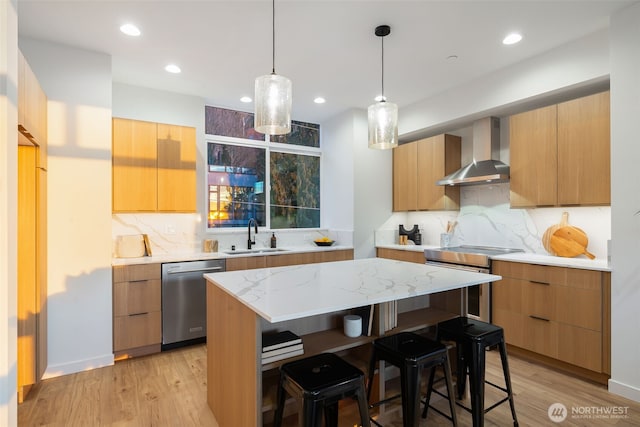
(412, 353)
(472, 338)
(321, 381)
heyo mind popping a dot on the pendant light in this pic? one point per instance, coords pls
(383, 115)
(273, 95)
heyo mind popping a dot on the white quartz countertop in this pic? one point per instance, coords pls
(197, 256)
(284, 293)
(526, 257)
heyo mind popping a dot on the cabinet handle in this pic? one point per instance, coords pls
(138, 281)
(139, 314)
(538, 318)
(540, 283)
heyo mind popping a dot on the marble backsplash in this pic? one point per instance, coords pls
(185, 233)
(485, 218)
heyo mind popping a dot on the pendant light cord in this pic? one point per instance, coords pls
(273, 36)
(382, 67)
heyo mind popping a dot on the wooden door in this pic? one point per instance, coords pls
(584, 159)
(176, 168)
(405, 177)
(533, 152)
(134, 170)
(27, 265)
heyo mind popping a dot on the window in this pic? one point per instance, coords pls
(241, 185)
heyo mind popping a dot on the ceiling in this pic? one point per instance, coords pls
(327, 48)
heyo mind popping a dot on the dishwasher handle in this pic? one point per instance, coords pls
(196, 270)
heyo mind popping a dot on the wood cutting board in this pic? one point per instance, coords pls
(546, 238)
(568, 241)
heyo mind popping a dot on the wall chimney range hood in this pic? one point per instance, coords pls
(485, 168)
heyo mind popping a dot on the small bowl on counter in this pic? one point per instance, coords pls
(324, 242)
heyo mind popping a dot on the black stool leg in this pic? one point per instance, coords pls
(461, 368)
(372, 368)
(432, 375)
(363, 406)
(507, 380)
(410, 383)
(331, 414)
(476, 382)
(277, 418)
(449, 381)
(311, 416)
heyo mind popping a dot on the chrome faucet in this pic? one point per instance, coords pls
(249, 241)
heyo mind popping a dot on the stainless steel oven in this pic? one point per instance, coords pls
(476, 301)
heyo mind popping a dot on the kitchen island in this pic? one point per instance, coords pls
(241, 303)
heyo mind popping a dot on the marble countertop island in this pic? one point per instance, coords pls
(293, 292)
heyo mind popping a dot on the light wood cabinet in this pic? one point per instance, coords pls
(137, 305)
(154, 167)
(405, 177)
(555, 312)
(251, 262)
(416, 168)
(560, 154)
(32, 230)
(401, 255)
(32, 109)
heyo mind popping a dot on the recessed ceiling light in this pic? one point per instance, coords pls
(319, 100)
(130, 30)
(452, 57)
(173, 68)
(512, 38)
(246, 99)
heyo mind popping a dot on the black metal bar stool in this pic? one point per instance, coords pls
(412, 353)
(472, 338)
(321, 381)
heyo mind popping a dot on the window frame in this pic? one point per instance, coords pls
(268, 146)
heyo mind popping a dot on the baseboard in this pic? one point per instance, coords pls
(624, 390)
(78, 366)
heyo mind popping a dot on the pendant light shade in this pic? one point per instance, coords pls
(383, 115)
(272, 104)
(383, 125)
(273, 95)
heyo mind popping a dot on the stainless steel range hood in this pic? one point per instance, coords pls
(485, 168)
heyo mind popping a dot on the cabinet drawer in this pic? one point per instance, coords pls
(130, 273)
(136, 297)
(513, 325)
(579, 307)
(539, 299)
(581, 347)
(541, 336)
(137, 330)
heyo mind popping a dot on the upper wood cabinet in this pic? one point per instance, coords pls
(560, 154)
(416, 168)
(32, 109)
(154, 167)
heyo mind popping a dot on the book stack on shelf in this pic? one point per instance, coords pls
(366, 313)
(280, 345)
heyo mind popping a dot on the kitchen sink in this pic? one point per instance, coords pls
(255, 251)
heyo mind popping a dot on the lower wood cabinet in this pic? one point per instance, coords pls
(556, 312)
(401, 255)
(137, 305)
(251, 262)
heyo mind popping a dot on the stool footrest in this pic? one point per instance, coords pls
(382, 402)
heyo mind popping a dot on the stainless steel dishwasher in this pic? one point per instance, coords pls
(184, 301)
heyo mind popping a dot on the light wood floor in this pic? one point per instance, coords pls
(169, 389)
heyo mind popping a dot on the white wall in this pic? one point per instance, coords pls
(8, 211)
(568, 67)
(78, 87)
(625, 202)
